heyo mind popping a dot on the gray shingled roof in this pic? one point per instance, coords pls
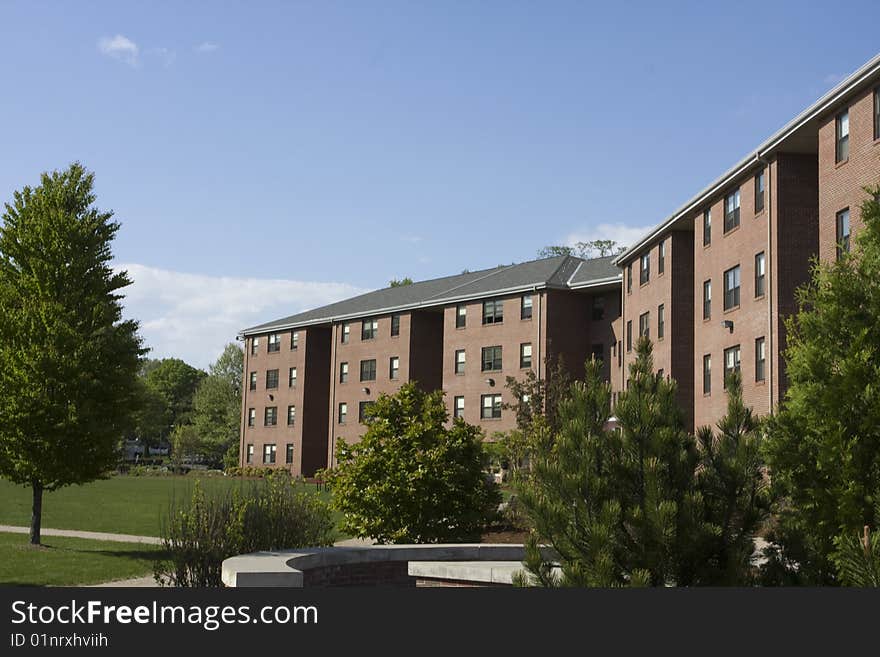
(558, 272)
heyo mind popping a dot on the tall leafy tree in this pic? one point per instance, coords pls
(216, 415)
(412, 478)
(167, 393)
(68, 361)
(586, 250)
(824, 444)
(733, 485)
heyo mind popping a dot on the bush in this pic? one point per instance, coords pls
(200, 533)
(412, 478)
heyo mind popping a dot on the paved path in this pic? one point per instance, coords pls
(97, 536)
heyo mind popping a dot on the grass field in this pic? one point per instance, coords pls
(122, 505)
(71, 561)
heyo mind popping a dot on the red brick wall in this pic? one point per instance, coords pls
(840, 185)
(673, 288)
(512, 332)
(311, 362)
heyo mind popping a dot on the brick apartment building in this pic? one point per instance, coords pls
(747, 242)
(710, 286)
(310, 378)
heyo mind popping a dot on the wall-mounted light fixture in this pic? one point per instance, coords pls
(728, 324)
(366, 391)
(491, 382)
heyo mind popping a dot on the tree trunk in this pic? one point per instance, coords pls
(37, 512)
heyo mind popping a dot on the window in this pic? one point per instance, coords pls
(731, 210)
(645, 325)
(525, 355)
(291, 415)
(252, 416)
(493, 311)
(707, 299)
(271, 379)
(458, 407)
(346, 333)
(598, 352)
(395, 325)
(288, 457)
(619, 353)
(255, 344)
(661, 257)
(393, 367)
(629, 278)
(661, 321)
(598, 308)
(270, 416)
(842, 232)
(491, 359)
(368, 370)
(291, 376)
(759, 274)
(731, 362)
(343, 412)
(629, 335)
(525, 311)
(707, 227)
(364, 411)
(877, 113)
(343, 372)
(369, 329)
(250, 453)
(274, 343)
(253, 385)
(645, 268)
(841, 128)
(759, 191)
(460, 316)
(459, 361)
(760, 360)
(294, 340)
(490, 407)
(269, 453)
(707, 374)
(731, 288)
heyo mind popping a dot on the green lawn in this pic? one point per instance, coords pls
(71, 561)
(122, 505)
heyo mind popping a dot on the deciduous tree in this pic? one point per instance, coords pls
(68, 361)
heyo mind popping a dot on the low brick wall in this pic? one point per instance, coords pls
(385, 573)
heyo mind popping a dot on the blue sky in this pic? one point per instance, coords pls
(268, 157)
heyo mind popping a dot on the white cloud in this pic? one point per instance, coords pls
(167, 56)
(206, 47)
(620, 233)
(192, 316)
(119, 47)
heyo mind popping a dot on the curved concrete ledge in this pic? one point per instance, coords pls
(289, 568)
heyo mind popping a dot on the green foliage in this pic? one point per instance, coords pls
(734, 490)
(823, 446)
(168, 388)
(68, 361)
(643, 504)
(185, 443)
(216, 417)
(586, 250)
(200, 533)
(412, 478)
(857, 558)
(401, 282)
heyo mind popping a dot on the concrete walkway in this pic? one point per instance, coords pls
(96, 536)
